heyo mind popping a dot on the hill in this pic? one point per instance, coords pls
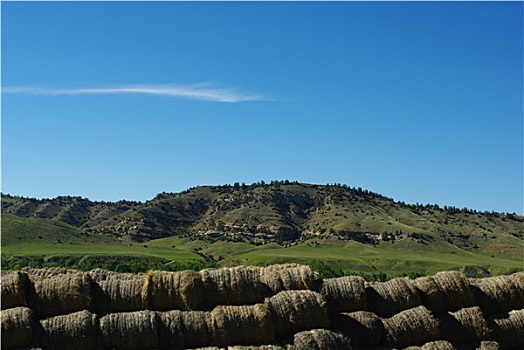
(268, 223)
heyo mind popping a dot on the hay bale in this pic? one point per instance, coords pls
(117, 292)
(411, 327)
(499, 294)
(320, 339)
(434, 345)
(365, 329)
(173, 290)
(78, 330)
(295, 311)
(61, 294)
(463, 326)
(18, 326)
(38, 274)
(508, 329)
(388, 298)
(289, 277)
(487, 345)
(256, 347)
(242, 325)
(344, 294)
(233, 286)
(184, 329)
(445, 291)
(14, 287)
(130, 330)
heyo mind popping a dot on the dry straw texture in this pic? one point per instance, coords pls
(61, 294)
(233, 286)
(36, 274)
(320, 339)
(256, 347)
(15, 286)
(184, 329)
(17, 327)
(411, 327)
(173, 290)
(242, 325)
(344, 294)
(130, 330)
(500, 293)
(294, 311)
(78, 330)
(508, 329)
(365, 329)
(445, 291)
(117, 292)
(434, 345)
(463, 326)
(289, 277)
(388, 298)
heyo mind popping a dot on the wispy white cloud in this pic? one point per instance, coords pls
(197, 91)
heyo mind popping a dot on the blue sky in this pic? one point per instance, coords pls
(419, 101)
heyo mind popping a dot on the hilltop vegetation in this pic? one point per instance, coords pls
(267, 223)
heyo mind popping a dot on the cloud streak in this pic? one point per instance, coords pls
(197, 92)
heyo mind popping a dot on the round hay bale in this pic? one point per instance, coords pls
(320, 339)
(78, 330)
(344, 294)
(184, 329)
(388, 298)
(463, 326)
(499, 294)
(434, 345)
(365, 329)
(295, 311)
(445, 291)
(256, 347)
(233, 286)
(411, 327)
(15, 287)
(18, 326)
(61, 294)
(37, 274)
(289, 277)
(117, 292)
(130, 330)
(173, 290)
(487, 345)
(242, 325)
(508, 329)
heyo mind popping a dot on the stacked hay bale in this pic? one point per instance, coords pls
(445, 291)
(253, 308)
(242, 325)
(234, 286)
(14, 289)
(467, 325)
(508, 329)
(173, 290)
(77, 330)
(18, 327)
(391, 297)
(295, 311)
(117, 292)
(364, 328)
(130, 330)
(344, 294)
(415, 326)
(61, 294)
(185, 329)
(289, 277)
(320, 339)
(499, 293)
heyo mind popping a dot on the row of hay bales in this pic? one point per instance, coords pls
(287, 306)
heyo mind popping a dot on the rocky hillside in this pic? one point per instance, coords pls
(279, 211)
